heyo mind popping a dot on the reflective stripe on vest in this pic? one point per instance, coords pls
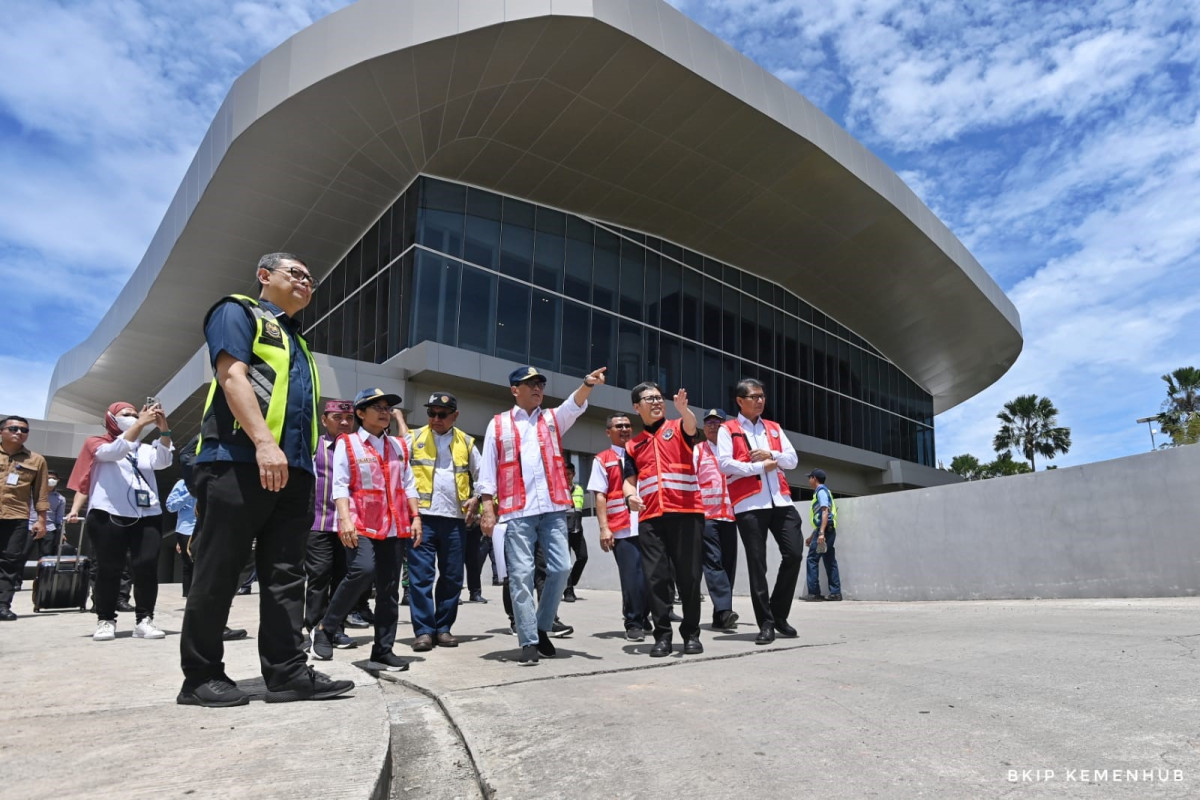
(268, 373)
(424, 444)
(715, 492)
(372, 506)
(749, 485)
(667, 482)
(510, 483)
(816, 510)
(614, 499)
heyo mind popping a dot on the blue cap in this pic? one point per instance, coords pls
(819, 474)
(367, 396)
(715, 412)
(523, 374)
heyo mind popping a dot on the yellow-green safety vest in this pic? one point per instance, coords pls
(424, 459)
(269, 365)
(816, 510)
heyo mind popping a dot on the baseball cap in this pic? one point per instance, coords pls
(367, 396)
(523, 374)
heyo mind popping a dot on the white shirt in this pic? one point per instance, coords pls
(341, 470)
(444, 502)
(114, 479)
(598, 482)
(768, 494)
(537, 490)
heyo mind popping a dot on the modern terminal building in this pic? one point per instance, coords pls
(570, 184)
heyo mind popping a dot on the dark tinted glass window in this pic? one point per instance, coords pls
(384, 231)
(653, 291)
(549, 250)
(710, 317)
(545, 330)
(766, 335)
(477, 322)
(690, 315)
(440, 218)
(671, 291)
(605, 269)
(749, 326)
(482, 245)
(632, 279)
(711, 394)
(579, 260)
(671, 366)
(604, 340)
(575, 329)
(516, 240)
(512, 321)
(631, 356)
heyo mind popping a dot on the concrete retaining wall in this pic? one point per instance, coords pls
(1123, 528)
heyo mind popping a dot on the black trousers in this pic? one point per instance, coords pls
(14, 538)
(673, 540)
(324, 569)
(474, 555)
(578, 546)
(771, 606)
(115, 538)
(236, 511)
(372, 561)
(182, 540)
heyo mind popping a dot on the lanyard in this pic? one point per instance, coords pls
(137, 472)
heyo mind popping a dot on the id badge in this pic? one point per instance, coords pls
(142, 498)
(13, 477)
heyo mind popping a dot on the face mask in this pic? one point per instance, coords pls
(52, 482)
(125, 423)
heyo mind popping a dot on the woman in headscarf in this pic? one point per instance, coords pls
(115, 475)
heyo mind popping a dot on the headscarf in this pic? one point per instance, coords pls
(81, 475)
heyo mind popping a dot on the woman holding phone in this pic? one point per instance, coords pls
(114, 474)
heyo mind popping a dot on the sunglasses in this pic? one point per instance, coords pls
(16, 429)
(439, 414)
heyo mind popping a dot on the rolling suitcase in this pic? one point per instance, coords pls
(62, 581)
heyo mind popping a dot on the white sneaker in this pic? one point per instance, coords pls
(147, 630)
(106, 631)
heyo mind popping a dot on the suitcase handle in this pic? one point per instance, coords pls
(63, 538)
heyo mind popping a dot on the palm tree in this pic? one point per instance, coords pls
(1031, 426)
(1182, 404)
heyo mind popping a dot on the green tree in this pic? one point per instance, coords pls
(1004, 465)
(1181, 409)
(1030, 426)
(966, 466)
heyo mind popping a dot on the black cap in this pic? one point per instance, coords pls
(523, 374)
(442, 399)
(819, 474)
(367, 396)
(715, 412)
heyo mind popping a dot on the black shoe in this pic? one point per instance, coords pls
(833, 598)
(123, 605)
(6, 614)
(322, 646)
(497, 582)
(312, 686)
(545, 646)
(404, 597)
(233, 634)
(341, 641)
(725, 621)
(242, 590)
(692, 646)
(569, 595)
(355, 620)
(785, 630)
(635, 633)
(529, 655)
(388, 662)
(815, 598)
(662, 647)
(765, 636)
(559, 630)
(477, 597)
(214, 694)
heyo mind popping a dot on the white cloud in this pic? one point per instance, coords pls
(23, 390)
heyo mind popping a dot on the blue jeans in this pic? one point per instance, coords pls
(520, 540)
(440, 555)
(831, 567)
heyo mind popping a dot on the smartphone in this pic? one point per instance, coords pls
(152, 401)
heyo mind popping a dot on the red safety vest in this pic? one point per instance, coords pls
(714, 489)
(745, 487)
(667, 480)
(510, 483)
(618, 511)
(377, 495)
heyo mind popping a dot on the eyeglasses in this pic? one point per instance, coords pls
(297, 274)
(383, 408)
(754, 397)
(439, 414)
(622, 426)
(652, 399)
(16, 429)
(534, 383)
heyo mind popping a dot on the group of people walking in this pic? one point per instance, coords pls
(330, 505)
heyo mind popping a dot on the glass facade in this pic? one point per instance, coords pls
(497, 275)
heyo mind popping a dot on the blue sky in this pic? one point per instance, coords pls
(1060, 142)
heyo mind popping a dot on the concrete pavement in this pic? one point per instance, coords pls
(1061, 698)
